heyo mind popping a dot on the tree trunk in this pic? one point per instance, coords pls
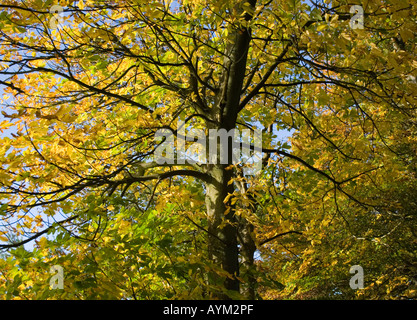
(223, 245)
(222, 224)
(247, 251)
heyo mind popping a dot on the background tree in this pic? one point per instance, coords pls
(90, 95)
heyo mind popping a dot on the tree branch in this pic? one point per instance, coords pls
(35, 236)
(279, 235)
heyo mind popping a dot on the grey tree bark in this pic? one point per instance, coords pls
(222, 223)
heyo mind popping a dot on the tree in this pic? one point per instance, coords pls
(91, 95)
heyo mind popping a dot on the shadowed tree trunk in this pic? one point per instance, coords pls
(223, 237)
(223, 248)
(247, 251)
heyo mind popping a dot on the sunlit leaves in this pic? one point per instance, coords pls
(82, 103)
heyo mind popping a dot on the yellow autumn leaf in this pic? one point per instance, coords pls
(81, 4)
(322, 26)
(43, 242)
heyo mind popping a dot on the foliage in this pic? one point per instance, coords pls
(84, 100)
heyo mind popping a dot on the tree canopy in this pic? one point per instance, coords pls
(89, 86)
